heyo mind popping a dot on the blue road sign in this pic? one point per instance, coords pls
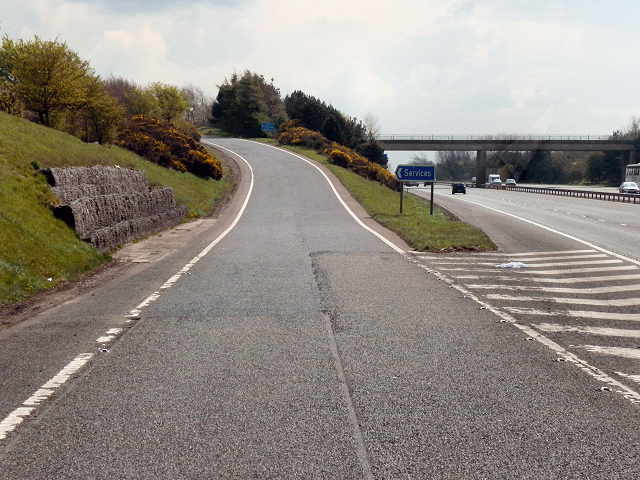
(420, 173)
(268, 127)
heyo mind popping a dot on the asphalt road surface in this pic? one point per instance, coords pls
(289, 340)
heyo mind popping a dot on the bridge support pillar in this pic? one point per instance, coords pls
(481, 167)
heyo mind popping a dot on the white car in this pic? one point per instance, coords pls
(629, 187)
(510, 182)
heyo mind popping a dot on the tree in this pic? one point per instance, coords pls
(456, 166)
(143, 103)
(104, 113)
(172, 103)
(199, 105)
(244, 103)
(46, 76)
(421, 159)
(372, 126)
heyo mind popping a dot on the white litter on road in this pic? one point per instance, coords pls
(512, 265)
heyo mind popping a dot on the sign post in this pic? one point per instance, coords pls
(416, 173)
(268, 127)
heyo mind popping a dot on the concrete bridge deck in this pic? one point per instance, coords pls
(506, 143)
(482, 144)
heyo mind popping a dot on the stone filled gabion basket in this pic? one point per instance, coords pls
(111, 206)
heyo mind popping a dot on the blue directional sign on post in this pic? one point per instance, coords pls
(268, 127)
(416, 173)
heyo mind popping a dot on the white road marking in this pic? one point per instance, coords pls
(616, 351)
(110, 335)
(595, 372)
(635, 378)
(574, 291)
(565, 271)
(631, 317)
(19, 414)
(558, 232)
(346, 207)
(607, 278)
(602, 331)
(618, 302)
(467, 260)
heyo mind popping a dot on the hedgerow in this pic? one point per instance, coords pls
(294, 134)
(160, 142)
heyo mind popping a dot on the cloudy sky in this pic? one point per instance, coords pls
(421, 66)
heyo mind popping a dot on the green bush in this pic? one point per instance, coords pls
(160, 142)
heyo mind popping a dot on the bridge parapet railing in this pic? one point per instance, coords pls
(400, 137)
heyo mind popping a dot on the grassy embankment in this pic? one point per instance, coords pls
(36, 250)
(424, 232)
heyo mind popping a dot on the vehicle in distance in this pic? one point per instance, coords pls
(494, 179)
(510, 182)
(629, 187)
(458, 188)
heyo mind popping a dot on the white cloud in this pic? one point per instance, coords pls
(422, 66)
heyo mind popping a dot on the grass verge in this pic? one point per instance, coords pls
(38, 251)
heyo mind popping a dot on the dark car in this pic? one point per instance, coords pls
(458, 188)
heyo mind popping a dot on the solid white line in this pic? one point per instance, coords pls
(346, 207)
(470, 260)
(553, 230)
(523, 254)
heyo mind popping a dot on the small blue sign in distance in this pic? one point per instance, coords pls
(268, 127)
(421, 173)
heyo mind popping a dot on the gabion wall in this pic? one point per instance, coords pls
(109, 206)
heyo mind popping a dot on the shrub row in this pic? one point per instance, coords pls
(294, 134)
(160, 142)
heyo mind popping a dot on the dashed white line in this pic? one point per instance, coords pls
(19, 414)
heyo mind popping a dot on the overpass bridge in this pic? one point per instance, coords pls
(482, 144)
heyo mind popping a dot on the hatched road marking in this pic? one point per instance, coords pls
(556, 277)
